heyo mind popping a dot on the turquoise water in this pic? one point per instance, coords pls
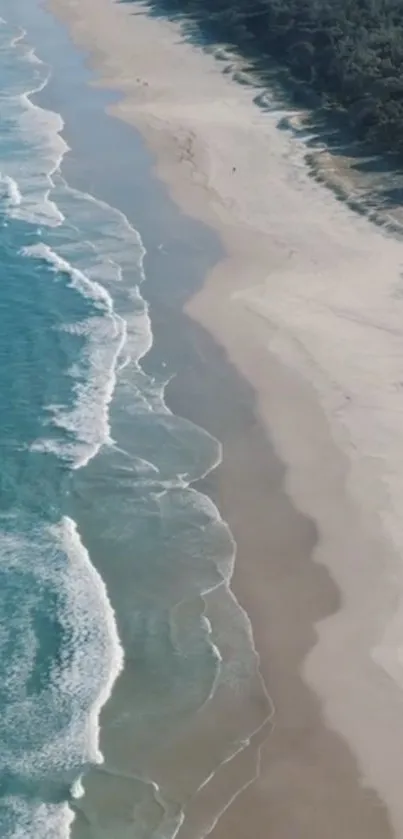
(105, 550)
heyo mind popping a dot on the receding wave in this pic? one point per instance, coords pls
(37, 148)
(94, 374)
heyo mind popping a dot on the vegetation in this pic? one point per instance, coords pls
(350, 52)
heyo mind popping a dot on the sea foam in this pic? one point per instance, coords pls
(38, 148)
(62, 739)
(92, 248)
(89, 288)
(11, 191)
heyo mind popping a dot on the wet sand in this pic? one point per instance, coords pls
(301, 315)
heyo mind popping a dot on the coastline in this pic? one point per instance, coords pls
(304, 442)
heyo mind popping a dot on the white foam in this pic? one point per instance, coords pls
(36, 821)
(16, 39)
(94, 380)
(120, 251)
(52, 562)
(28, 199)
(12, 191)
(88, 288)
(107, 229)
(88, 596)
(88, 419)
(96, 376)
(110, 346)
(37, 148)
(77, 789)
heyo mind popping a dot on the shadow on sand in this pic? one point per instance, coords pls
(369, 182)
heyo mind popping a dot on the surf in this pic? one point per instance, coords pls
(91, 253)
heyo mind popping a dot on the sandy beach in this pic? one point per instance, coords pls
(305, 311)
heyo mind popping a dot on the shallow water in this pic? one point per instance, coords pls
(106, 552)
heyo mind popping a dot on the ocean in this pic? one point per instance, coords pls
(106, 550)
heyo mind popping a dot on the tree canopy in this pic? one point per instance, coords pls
(350, 52)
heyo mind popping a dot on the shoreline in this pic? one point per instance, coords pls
(235, 328)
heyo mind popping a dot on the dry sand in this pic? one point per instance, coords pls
(308, 306)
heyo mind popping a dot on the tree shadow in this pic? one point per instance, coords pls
(377, 176)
